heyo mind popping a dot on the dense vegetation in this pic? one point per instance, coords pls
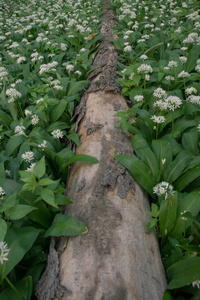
(160, 74)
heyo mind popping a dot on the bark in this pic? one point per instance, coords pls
(117, 259)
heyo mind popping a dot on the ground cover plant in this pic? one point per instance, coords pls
(46, 51)
(160, 75)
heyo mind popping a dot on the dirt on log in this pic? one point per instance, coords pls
(117, 259)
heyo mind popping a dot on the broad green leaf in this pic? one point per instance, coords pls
(13, 143)
(73, 136)
(187, 178)
(48, 196)
(19, 241)
(151, 224)
(192, 59)
(58, 110)
(126, 126)
(183, 272)
(144, 152)
(190, 142)
(65, 226)
(40, 168)
(3, 229)
(172, 115)
(190, 248)
(75, 87)
(181, 125)
(46, 181)
(176, 167)
(139, 171)
(10, 186)
(62, 199)
(18, 211)
(42, 215)
(5, 118)
(81, 157)
(190, 203)
(62, 158)
(167, 214)
(24, 288)
(167, 296)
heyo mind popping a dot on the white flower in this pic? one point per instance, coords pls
(2, 193)
(8, 173)
(191, 90)
(128, 48)
(183, 74)
(19, 129)
(144, 68)
(196, 283)
(143, 56)
(183, 59)
(197, 68)
(13, 94)
(147, 77)
(198, 127)
(28, 112)
(139, 98)
(163, 161)
(158, 119)
(70, 68)
(30, 168)
(3, 252)
(34, 119)
(43, 145)
(28, 156)
(78, 72)
(163, 188)
(21, 59)
(160, 93)
(63, 47)
(57, 133)
(162, 105)
(169, 78)
(39, 100)
(173, 102)
(194, 99)
(172, 64)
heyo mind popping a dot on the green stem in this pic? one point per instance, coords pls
(172, 124)
(157, 131)
(13, 287)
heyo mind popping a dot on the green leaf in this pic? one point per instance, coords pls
(162, 150)
(187, 178)
(65, 226)
(3, 229)
(192, 59)
(24, 288)
(151, 224)
(139, 171)
(58, 110)
(40, 168)
(10, 186)
(75, 87)
(42, 215)
(167, 214)
(144, 152)
(18, 211)
(13, 143)
(190, 142)
(190, 248)
(190, 203)
(46, 181)
(62, 199)
(172, 115)
(81, 157)
(181, 125)
(176, 167)
(48, 196)
(19, 241)
(73, 136)
(183, 272)
(62, 158)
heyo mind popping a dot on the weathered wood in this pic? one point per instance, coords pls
(117, 259)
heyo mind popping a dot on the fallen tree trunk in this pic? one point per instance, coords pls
(117, 259)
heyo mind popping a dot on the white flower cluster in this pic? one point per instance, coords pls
(34, 119)
(20, 130)
(144, 68)
(191, 90)
(138, 98)
(194, 99)
(163, 188)
(183, 74)
(13, 94)
(70, 67)
(43, 145)
(31, 167)
(171, 103)
(3, 252)
(160, 93)
(57, 134)
(158, 119)
(2, 192)
(28, 156)
(46, 68)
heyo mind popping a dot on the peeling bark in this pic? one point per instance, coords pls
(116, 259)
